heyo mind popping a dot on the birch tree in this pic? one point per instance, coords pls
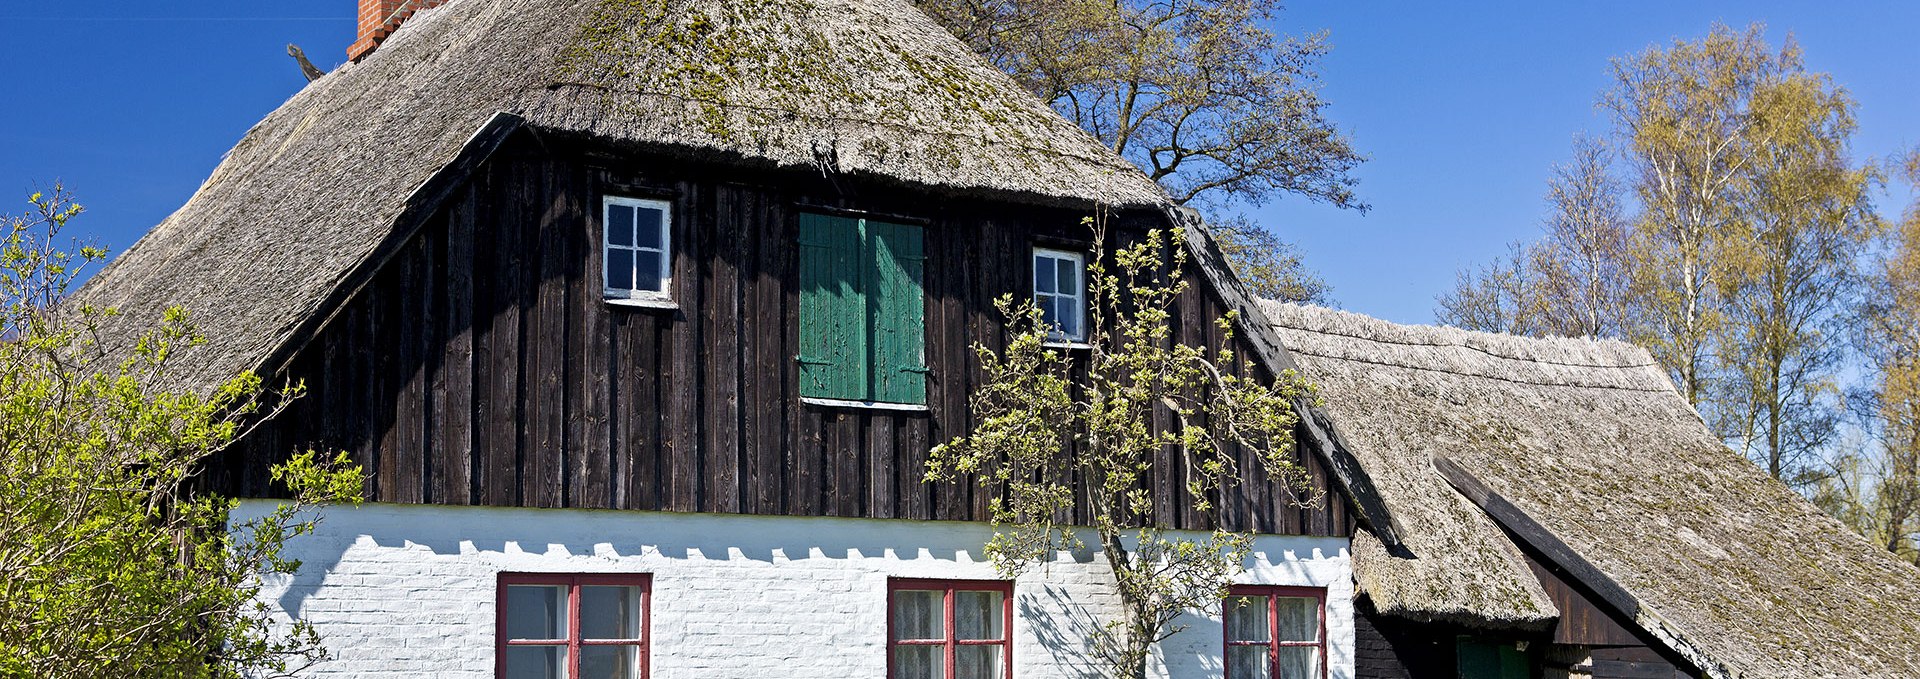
(1878, 489)
(1574, 281)
(1682, 115)
(1791, 275)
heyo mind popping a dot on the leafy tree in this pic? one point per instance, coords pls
(112, 562)
(1792, 273)
(1738, 268)
(1877, 490)
(1198, 93)
(1053, 430)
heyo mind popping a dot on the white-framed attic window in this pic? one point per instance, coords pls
(1059, 289)
(637, 249)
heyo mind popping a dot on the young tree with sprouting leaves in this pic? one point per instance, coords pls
(113, 562)
(1053, 429)
(1200, 94)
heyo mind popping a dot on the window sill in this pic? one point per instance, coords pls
(644, 303)
(1066, 345)
(868, 405)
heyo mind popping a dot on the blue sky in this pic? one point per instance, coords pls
(1462, 108)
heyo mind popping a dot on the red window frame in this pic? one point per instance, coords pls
(1273, 642)
(573, 583)
(1005, 642)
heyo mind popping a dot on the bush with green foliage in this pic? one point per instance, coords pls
(113, 561)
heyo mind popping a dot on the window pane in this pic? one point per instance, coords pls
(536, 662)
(919, 662)
(976, 662)
(1299, 662)
(609, 613)
(619, 269)
(1069, 311)
(1043, 276)
(917, 615)
(1049, 310)
(1246, 618)
(620, 224)
(536, 612)
(1299, 619)
(1247, 662)
(609, 662)
(647, 268)
(977, 615)
(648, 224)
(1069, 277)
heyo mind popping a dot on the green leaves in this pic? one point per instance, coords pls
(113, 561)
(1055, 431)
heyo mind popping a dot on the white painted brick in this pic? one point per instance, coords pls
(408, 590)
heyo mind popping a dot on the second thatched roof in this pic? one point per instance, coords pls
(1590, 440)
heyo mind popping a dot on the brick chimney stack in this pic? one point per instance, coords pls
(379, 18)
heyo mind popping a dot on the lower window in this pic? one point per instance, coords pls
(949, 629)
(554, 626)
(1276, 632)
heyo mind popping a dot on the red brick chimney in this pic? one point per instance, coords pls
(379, 18)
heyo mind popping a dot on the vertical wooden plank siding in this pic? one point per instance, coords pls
(683, 444)
(720, 355)
(483, 366)
(453, 428)
(545, 401)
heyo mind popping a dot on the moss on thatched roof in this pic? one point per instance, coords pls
(1590, 440)
(869, 88)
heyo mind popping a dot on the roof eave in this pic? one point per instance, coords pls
(1323, 436)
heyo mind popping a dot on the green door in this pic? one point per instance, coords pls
(1480, 659)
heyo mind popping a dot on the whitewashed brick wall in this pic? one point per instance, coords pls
(408, 590)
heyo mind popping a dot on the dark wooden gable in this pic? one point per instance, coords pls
(482, 366)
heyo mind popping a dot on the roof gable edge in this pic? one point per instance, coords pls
(1543, 541)
(1253, 325)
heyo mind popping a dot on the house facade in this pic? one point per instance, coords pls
(642, 326)
(642, 317)
(669, 406)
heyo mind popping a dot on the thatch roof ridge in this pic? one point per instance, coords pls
(1551, 361)
(314, 194)
(1731, 567)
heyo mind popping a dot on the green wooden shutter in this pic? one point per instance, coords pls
(896, 302)
(833, 309)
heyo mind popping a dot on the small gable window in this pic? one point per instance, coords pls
(638, 248)
(1276, 632)
(949, 629)
(559, 626)
(862, 312)
(1059, 290)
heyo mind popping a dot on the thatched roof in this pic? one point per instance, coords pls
(1590, 440)
(309, 197)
